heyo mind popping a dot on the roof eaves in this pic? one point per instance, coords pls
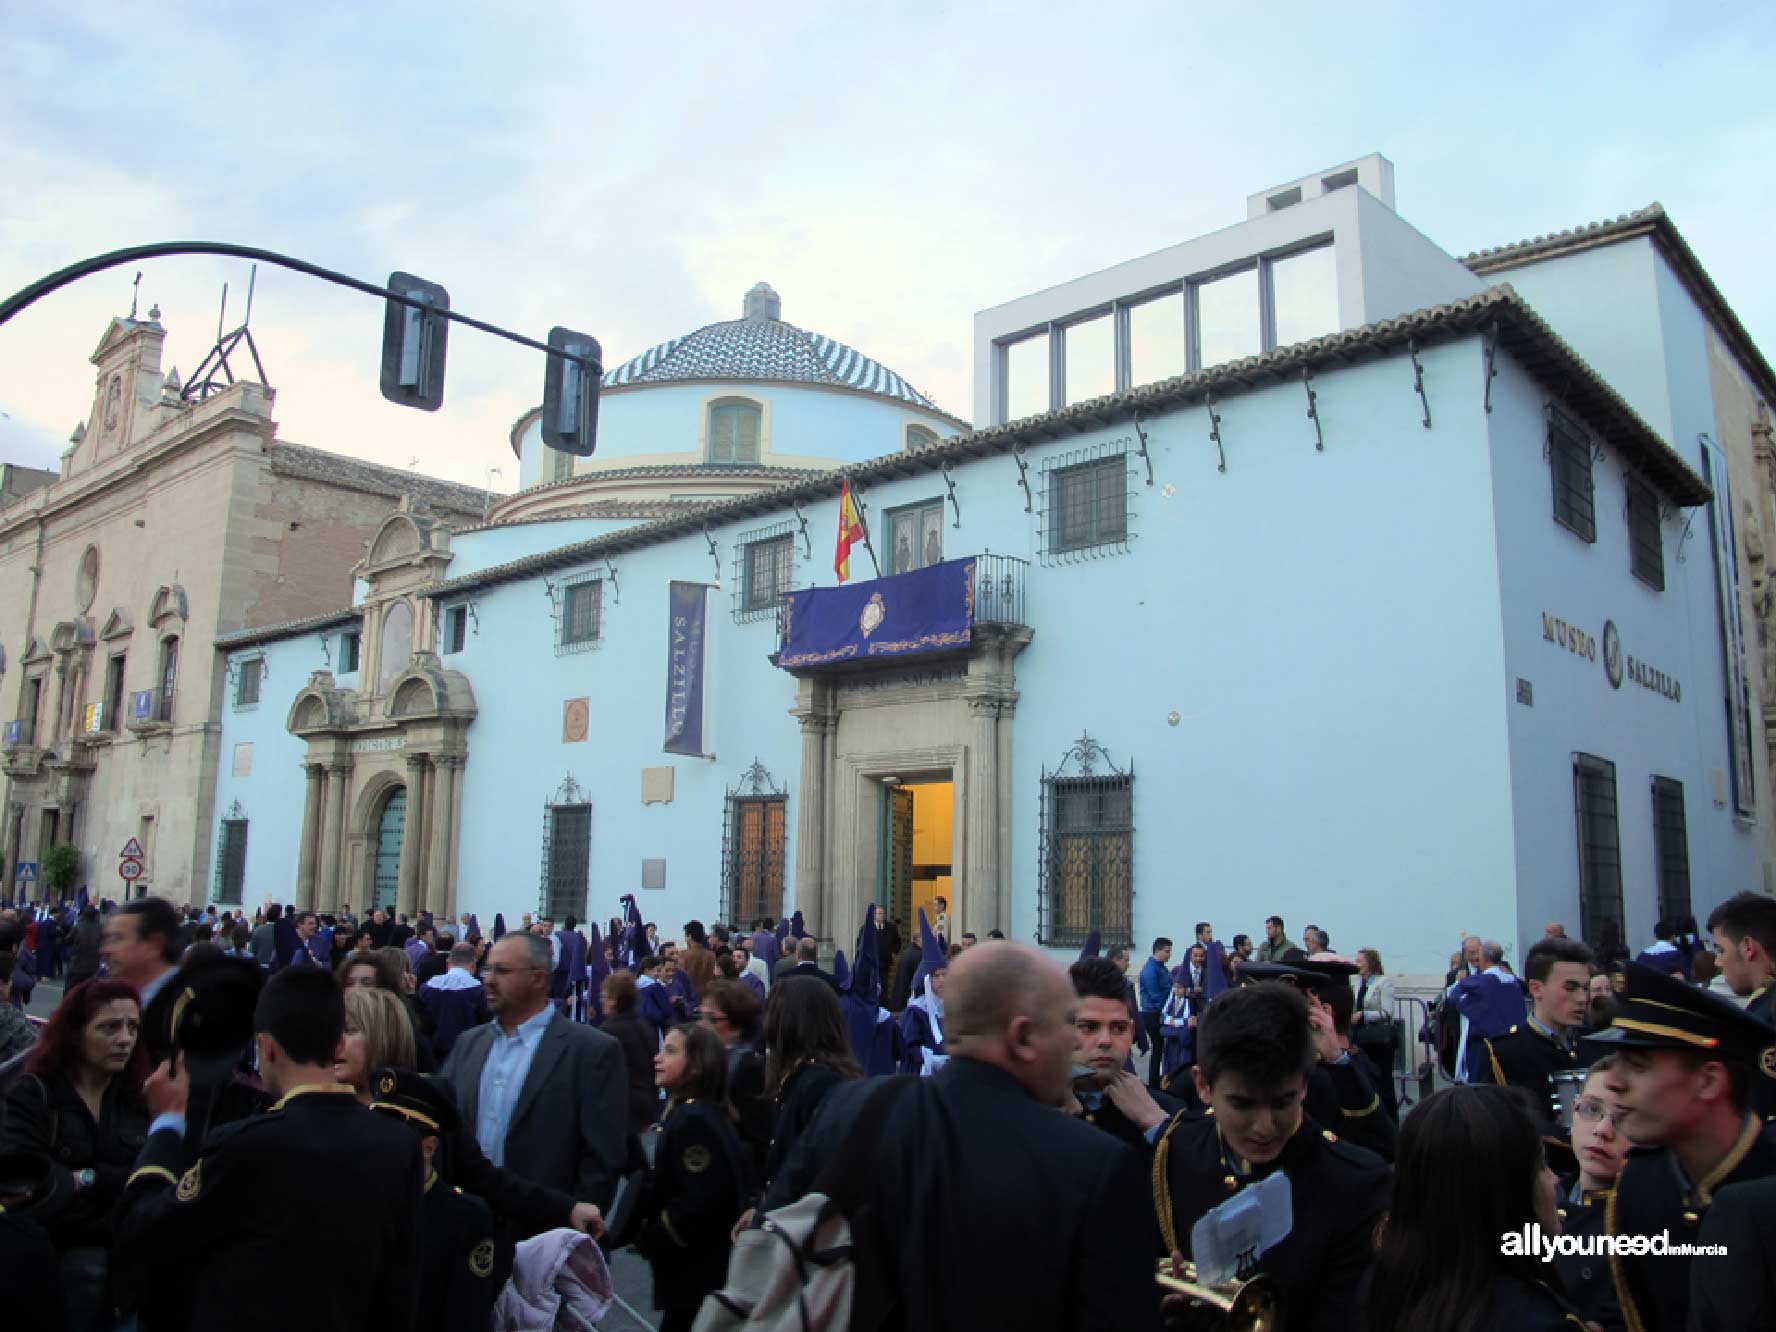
(1521, 330)
(1655, 222)
(286, 629)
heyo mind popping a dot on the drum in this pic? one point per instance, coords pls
(1565, 1089)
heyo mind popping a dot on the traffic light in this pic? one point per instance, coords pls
(413, 341)
(570, 392)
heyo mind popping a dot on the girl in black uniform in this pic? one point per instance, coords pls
(699, 1177)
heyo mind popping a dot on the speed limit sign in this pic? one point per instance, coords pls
(130, 870)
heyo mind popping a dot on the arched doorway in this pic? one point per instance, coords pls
(391, 829)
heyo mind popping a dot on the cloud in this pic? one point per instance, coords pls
(889, 172)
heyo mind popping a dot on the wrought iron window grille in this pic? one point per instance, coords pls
(1570, 461)
(567, 852)
(1646, 548)
(1600, 851)
(1086, 849)
(755, 843)
(577, 604)
(1087, 508)
(247, 676)
(765, 561)
(231, 856)
(1671, 840)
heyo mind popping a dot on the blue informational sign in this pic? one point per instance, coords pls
(26, 871)
(141, 704)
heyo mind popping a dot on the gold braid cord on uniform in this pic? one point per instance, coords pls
(1498, 1071)
(1162, 1186)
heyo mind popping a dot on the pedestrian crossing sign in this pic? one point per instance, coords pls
(26, 871)
(133, 851)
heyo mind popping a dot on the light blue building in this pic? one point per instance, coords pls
(1323, 579)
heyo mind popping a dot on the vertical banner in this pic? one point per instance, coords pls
(684, 669)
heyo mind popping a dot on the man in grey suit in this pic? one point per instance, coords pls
(544, 1097)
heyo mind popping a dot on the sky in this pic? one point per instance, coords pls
(890, 170)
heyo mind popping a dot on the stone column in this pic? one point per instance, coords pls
(440, 828)
(979, 895)
(812, 823)
(308, 850)
(454, 764)
(413, 848)
(333, 833)
(359, 854)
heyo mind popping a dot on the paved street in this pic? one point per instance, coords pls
(629, 1273)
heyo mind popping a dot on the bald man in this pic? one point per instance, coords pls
(976, 1171)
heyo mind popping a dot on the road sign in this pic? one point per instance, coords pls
(133, 851)
(25, 871)
(130, 870)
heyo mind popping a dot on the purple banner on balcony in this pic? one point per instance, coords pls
(684, 669)
(928, 610)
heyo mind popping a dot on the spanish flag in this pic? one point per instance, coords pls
(850, 532)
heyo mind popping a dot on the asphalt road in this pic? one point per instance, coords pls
(629, 1273)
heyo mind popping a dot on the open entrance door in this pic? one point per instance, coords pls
(918, 841)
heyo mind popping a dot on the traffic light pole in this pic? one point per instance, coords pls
(117, 258)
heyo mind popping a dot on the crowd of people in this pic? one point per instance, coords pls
(455, 1124)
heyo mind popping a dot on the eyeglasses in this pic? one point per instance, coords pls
(1591, 1110)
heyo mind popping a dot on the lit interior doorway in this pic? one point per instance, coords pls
(918, 850)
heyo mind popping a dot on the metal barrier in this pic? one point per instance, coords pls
(1415, 1049)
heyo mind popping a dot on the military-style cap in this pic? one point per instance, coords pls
(425, 1103)
(212, 1009)
(1317, 977)
(1659, 1011)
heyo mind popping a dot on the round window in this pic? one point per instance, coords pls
(86, 587)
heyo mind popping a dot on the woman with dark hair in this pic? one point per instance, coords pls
(732, 1012)
(808, 1053)
(79, 1107)
(699, 1179)
(640, 1043)
(1468, 1175)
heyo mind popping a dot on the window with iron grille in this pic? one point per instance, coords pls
(1645, 549)
(1088, 858)
(752, 881)
(1569, 462)
(569, 859)
(734, 429)
(231, 862)
(246, 688)
(456, 628)
(766, 565)
(1085, 504)
(1600, 853)
(579, 606)
(1671, 840)
(350, 645)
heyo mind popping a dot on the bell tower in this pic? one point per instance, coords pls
(128, 386)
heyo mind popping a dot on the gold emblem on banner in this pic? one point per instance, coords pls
(873, 615)
(192, 1182)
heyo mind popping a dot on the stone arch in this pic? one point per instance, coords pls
(375, 793)
(309, 714)
(414, 696)
(318, 706)
(169, 602)
(398, 538)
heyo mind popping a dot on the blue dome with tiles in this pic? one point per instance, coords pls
(760, 346)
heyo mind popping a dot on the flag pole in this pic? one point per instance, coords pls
(863, 522)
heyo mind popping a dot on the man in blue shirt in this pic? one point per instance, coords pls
(1154, 989)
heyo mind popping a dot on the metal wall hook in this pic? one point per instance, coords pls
(1023, 467)
(1141, 430)
(1215, 430)
(714, 554)
(1492, 346)
(610, 571)
(802, 518)
(950, 482)
(1418, 379)
(1313, 409)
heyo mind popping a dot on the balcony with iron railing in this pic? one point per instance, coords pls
(942, 609)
